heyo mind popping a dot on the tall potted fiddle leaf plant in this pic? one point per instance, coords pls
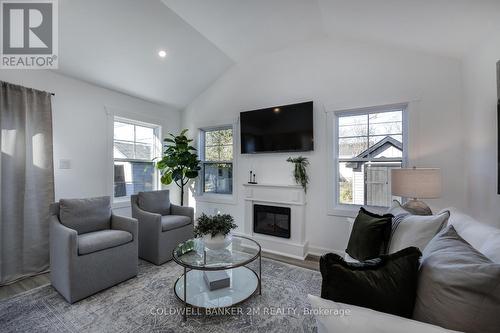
(179, 163)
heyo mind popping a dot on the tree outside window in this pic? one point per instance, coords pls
(218, 160)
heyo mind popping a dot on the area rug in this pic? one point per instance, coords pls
(147, 303)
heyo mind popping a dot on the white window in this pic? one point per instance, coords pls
(369, 143)
(135, 146)
(217, 160)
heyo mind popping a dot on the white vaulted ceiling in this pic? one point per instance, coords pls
(242, 28)
(114, 43)
(444, 27)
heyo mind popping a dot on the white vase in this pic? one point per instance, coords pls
(216, 242)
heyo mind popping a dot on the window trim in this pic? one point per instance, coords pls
(350, 210)
(221, 198)
(157, 151)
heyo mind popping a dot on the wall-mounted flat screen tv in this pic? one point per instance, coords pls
(285, 128)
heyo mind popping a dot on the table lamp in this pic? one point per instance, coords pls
(416, 183)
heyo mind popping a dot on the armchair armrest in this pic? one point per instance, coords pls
(149, 221)
(182, 210)
(63, 240)
(125, 223)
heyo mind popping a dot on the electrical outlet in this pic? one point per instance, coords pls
(64, 164)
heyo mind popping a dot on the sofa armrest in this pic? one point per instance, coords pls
(334, 317)
(125, 223)
(182, 210)
(63, 240)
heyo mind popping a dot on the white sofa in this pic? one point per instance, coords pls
(484, 238)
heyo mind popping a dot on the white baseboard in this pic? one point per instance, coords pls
(289, 249)
(277, 246)
(319, 251)
(288, 255)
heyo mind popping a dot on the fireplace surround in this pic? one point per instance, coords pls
(280, 196)
(271, 220)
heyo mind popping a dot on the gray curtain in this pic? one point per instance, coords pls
(26, 182)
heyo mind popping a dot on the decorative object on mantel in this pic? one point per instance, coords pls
(300, 172)
(179, 163)
(252, 178)
(214, 230)
(416, 183)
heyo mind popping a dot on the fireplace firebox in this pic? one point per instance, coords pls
(271, 220)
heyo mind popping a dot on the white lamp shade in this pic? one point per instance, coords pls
(418, 183)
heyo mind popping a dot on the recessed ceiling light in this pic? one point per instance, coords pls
(276, 110)
(162, 53)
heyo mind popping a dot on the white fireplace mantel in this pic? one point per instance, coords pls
(280, 195)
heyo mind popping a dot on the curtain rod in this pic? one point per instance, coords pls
(2, 82)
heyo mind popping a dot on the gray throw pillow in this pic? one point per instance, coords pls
(155, 202)
(458, 287)
(85, 215)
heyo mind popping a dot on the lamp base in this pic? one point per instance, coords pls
(417, 207)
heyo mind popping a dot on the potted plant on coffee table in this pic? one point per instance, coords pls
(215, 230)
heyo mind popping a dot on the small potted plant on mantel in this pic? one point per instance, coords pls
(215, 230)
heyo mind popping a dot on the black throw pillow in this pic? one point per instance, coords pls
(387, 284)
(370, 235)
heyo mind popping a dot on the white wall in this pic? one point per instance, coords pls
(337, 75)
(81, 130)
(480, 109)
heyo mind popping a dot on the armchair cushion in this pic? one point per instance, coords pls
(170, 222)
(155, 201)
(85, 215)
(101, 240)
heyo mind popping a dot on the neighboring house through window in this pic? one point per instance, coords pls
(217, 160)
(369, 144)
(135, 145)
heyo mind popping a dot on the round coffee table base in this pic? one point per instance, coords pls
(243, 284)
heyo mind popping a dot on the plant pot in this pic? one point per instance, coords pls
(216, 242)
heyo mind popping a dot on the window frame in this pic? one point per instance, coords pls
(157, 153)
(224, 198)
(350, 210)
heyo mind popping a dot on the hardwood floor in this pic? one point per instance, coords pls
(311, 262)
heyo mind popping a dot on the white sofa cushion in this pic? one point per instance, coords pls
(333, 317)
(482, 237)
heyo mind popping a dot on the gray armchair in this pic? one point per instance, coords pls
(90, 248)
(162, 225)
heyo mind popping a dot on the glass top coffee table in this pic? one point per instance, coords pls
(191, 287)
